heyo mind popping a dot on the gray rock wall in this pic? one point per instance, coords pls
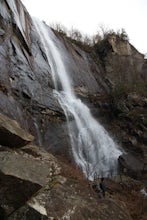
(25, 79)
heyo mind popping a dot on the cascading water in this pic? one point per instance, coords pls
(93, 149)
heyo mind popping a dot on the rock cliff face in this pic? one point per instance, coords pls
(26, 84)
(125, 70)
(111, 80)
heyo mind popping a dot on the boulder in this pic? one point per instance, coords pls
(25, 167)
(23, 173)
(11, 134)
(26, 212)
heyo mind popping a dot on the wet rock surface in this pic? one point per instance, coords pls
(26, 87)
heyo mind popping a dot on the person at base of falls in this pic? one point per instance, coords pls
(102, 188)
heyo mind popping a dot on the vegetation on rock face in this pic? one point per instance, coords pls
(121, 90)
(98, 42)
(103, 46)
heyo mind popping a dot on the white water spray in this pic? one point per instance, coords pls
(93, 149)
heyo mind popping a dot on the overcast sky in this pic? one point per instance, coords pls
(88, 15)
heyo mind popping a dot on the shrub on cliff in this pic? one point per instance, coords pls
(103, 45)
(99, 42)
(121, 90)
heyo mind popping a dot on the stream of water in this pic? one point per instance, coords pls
(92, 147)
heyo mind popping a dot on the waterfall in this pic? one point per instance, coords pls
(92, 147)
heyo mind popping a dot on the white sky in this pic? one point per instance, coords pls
(88, 15)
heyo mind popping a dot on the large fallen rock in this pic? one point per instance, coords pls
(11, 134)
(23, 173)
(26, 168)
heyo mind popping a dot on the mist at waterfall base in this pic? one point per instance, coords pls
(93, 149)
